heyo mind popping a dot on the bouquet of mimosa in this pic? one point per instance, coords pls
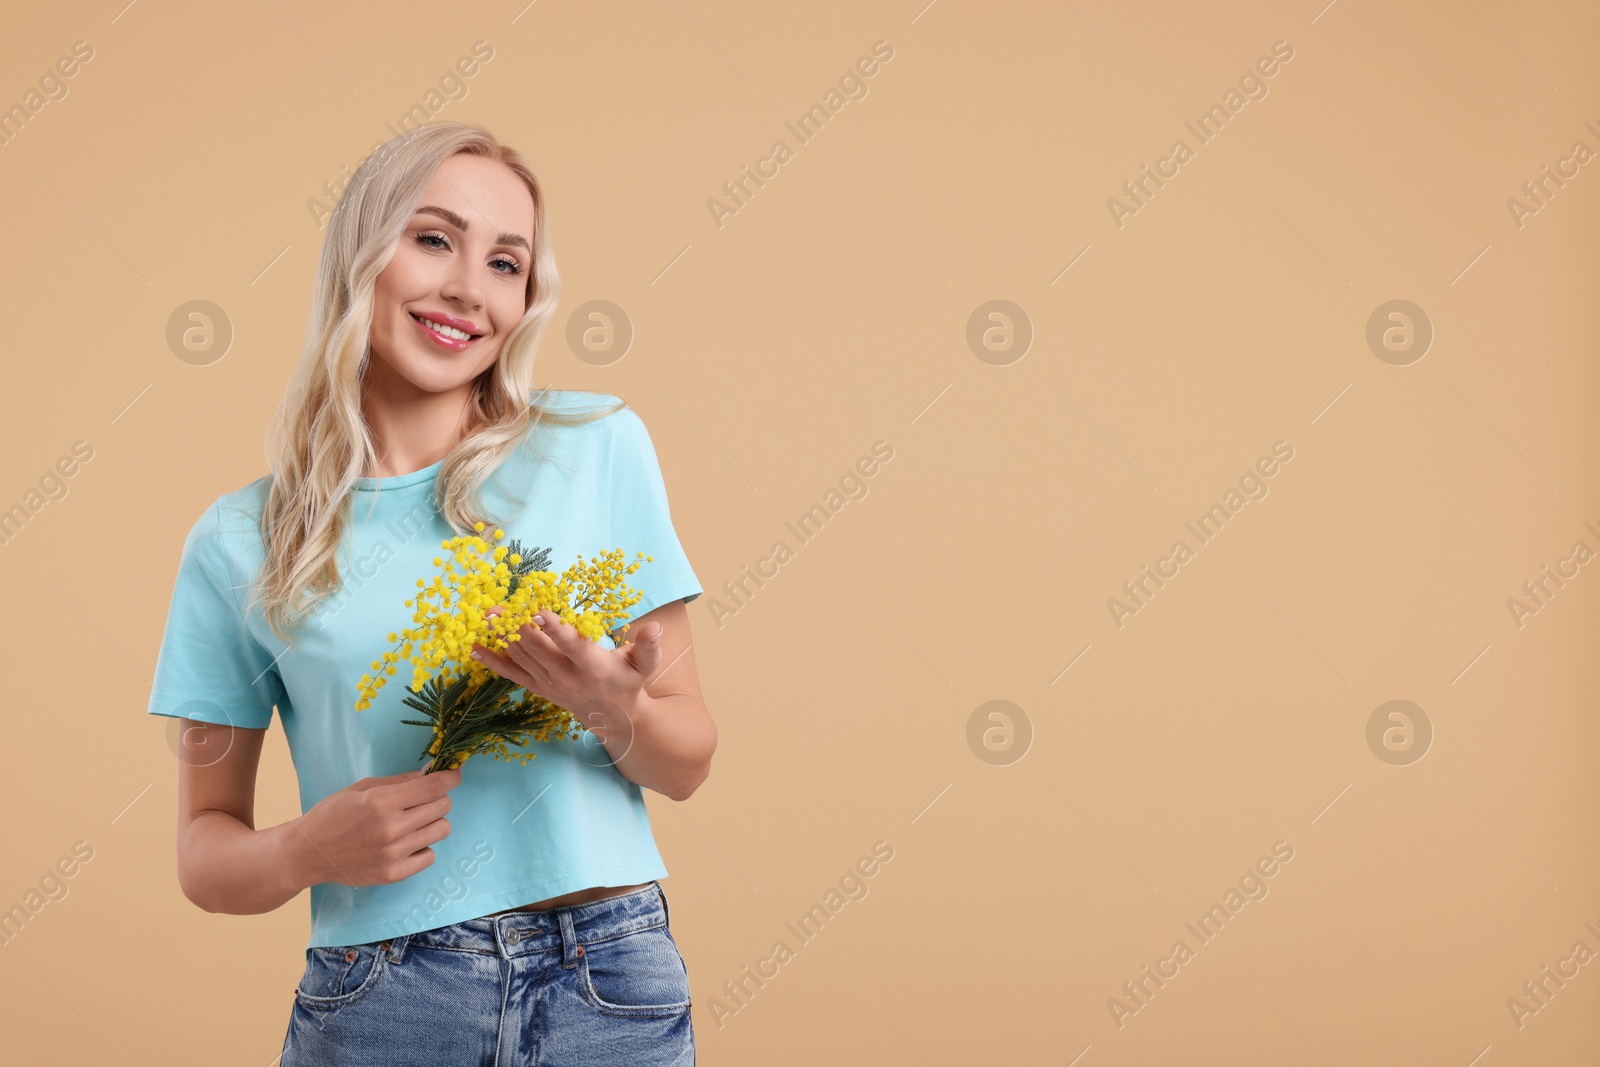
(470, 708)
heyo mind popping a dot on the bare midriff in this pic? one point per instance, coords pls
(577, 896)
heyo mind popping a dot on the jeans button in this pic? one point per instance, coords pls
(514, 936)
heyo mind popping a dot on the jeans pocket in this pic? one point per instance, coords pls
(338, 977)
(641, 974)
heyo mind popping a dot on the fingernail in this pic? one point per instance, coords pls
(477, 655)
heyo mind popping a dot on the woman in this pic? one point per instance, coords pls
(530, 926)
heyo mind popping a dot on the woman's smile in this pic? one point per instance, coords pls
(446, 331)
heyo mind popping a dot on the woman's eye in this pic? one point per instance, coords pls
(512, 267)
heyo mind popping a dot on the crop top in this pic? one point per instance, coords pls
(565, 820)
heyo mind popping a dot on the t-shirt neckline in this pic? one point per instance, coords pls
(399, 481)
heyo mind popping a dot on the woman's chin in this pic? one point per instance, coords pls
(439, 377)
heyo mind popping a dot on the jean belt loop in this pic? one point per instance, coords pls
(569, 938)
(662, 893)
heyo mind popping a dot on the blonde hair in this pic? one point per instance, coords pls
(319, 444)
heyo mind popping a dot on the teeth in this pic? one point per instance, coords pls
(448, 331)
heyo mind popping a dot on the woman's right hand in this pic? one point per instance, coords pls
(377, 831)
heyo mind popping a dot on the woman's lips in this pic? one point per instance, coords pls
(451, 343)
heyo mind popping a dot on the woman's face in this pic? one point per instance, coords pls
(462, 262)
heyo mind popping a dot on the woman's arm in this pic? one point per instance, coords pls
(372, 832)
(224, 863)
(670, 737)
(641, 700)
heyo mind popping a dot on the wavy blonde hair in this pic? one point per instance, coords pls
(319, 444)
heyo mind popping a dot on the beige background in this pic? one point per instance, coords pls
(770, 354)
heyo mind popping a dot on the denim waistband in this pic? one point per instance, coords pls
(565, 930)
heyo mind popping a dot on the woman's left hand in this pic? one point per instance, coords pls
(600, 687)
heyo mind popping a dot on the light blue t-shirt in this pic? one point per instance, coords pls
(564, 821)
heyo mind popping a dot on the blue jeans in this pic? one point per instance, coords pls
(596, 983)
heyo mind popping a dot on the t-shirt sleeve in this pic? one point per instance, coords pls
(641, 520)
(210, 667)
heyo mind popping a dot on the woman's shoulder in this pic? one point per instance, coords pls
(225, 535)
(241, 509)
(232, 512)
(577, 407)
(576, 421)
(571, 400)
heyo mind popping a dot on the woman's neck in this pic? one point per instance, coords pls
(410, 427)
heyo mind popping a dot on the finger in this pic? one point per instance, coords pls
(389, 779)
(539, 649)
(423, 788)
(418, 861)
(561, 634)
(516, 664)
(399, 779)
(538, 638)
(425, 814)
(423, 836)
(645, 654)
(494, 612)
(638, 635)
(528, 667)
(503, 665)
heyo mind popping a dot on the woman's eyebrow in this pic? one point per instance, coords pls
(461, 224)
